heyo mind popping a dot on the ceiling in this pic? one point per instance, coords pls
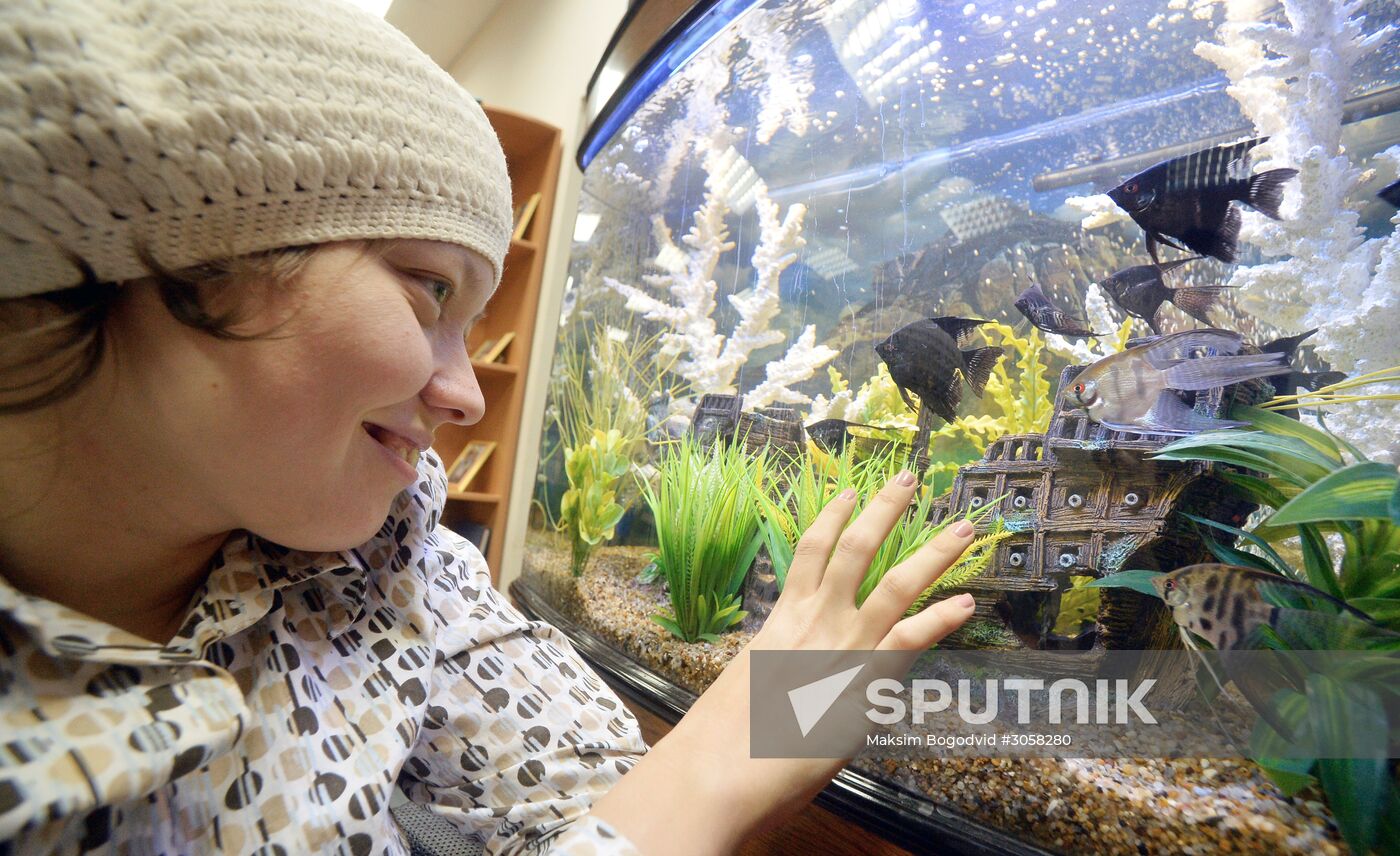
(441, 28)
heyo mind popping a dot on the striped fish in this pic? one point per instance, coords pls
(1185, 202)
(1234, 608)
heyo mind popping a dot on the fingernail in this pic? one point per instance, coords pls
(964, 600)
(848, 494)
(962, 528)
(905, 478)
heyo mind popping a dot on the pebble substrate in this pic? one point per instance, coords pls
(1079, 806)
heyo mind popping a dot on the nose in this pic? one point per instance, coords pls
(452, 394)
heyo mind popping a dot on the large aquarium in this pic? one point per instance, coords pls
(1120, 280)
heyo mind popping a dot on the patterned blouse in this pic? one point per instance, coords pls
(300, 690)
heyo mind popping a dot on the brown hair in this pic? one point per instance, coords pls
(46, 362)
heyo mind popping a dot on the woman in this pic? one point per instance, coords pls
(241, 245)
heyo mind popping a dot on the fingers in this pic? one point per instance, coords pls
(907, 580)
(921, 631)
(858, 544)
(813, 549)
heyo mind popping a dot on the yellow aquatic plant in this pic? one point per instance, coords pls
(1342, 392)
(601, 388)
(973, 562)
(1023, 398)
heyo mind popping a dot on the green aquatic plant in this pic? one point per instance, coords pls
(914, 531)
(974, 560)
(589, 508)
(1079, 605)
(1023, 397)
(1314, 486)
(810, 488)
(706, 506)
(1017, 389)
(601, 386)
(1317, 486)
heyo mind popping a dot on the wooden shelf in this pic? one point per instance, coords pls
(484, 369)
(533, 150)
(473, 496)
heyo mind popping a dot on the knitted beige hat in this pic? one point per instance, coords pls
(209, 129)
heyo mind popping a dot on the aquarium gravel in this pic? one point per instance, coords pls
(1072, 805)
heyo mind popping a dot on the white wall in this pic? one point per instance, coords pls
(535, 57)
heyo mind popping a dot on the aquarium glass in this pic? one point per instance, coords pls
(820, 175)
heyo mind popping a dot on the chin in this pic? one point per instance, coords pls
(333, 529)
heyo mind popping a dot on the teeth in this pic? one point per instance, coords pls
(412, 457)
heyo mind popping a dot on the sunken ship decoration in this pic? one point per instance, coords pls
(722, 417)
(1087, 501)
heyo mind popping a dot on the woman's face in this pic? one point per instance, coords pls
(305, 436)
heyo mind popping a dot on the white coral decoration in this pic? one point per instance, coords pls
(1291, 80)
(1097, 210)
(1100, 318)
(711, 361)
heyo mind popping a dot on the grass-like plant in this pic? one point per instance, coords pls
(706, 506)
(810, 488)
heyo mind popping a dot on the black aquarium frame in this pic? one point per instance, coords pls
(896, 814)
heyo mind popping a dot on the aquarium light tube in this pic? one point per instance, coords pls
(734, 180)
(872, 175)
(829, 263)
(874, 26)
(1370, 105)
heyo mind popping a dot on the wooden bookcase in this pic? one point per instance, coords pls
(532, 150)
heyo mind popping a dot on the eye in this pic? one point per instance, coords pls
(1169, 585)
(1079, 389)
(440, 289)
(1130, 187)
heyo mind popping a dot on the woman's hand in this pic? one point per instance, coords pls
(817, 609)
(720, 794)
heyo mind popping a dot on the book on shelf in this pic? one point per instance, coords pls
(492, 350)
(524, 213)
(477, 533)
(468, 464)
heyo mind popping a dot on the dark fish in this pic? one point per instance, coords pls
(1287, 345)
(1391, 193)
(1188, 198)
(1045, 315)
(833, 434)
(1141, 292)
(1132, 390)
(1312, 380)
(924, 358)
(1289, 382)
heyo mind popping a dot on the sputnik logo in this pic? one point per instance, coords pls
(810, 702)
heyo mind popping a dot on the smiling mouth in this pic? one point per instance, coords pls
(400, 446)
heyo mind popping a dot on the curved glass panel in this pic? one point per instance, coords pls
(975, 188)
